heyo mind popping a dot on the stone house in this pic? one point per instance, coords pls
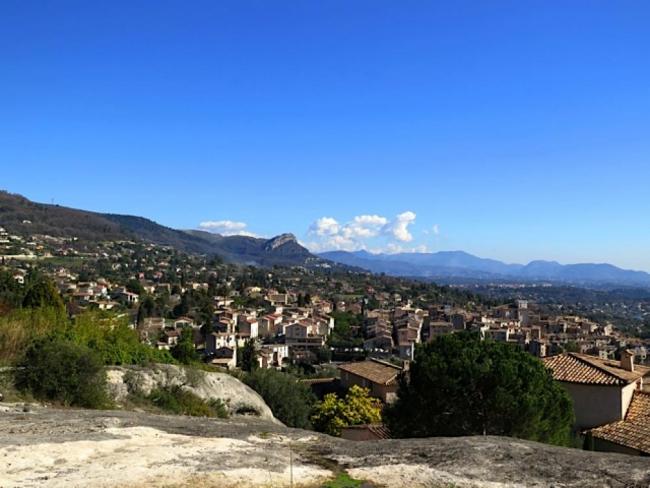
(601, 389)
(380, 377)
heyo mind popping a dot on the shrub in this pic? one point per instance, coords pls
(343, 480)
(63, 372)
(113, 339)
(184, 351)
(246, 409)
(289, 400)
(357, 408)
(178, 401)
(22, 327)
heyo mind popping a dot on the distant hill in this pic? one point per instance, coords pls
(58, 221)
(459, 264)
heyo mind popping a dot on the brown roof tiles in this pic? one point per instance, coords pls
(585, 369)
(634, 430)
(373, 370)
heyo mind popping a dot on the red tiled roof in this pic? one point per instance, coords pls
(634, 430)
(585, 369)
(373, 370)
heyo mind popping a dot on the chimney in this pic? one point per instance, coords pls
(627, 360)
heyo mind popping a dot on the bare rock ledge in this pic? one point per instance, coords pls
(78, 448)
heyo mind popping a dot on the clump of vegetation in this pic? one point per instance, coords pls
(184, 351)
(346, 325)
(343, 480)
(289, 400)
(63, 372)
(21, 327)
(107, 334)
(246, 409)
(357, 408)
(179, 401)
(248, 355)
(461, 385)
(113, 339)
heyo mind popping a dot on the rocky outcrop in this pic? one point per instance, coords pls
(207, 385)
(116, 449)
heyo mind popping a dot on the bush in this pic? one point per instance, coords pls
(461, 385)
(178, 401)
(22, 327)
(357, 408)
(289, 400)
(63, 372)
(113, 339)
(103, 332)
(184, 351)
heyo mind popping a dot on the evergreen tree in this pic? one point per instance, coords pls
(184, 351)
(460, 385)
(249, 355)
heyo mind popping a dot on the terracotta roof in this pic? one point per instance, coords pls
(590, 370)
(373, 370)
(634, 430)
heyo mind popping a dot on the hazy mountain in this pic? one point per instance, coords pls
(89, 227)
(459, 264)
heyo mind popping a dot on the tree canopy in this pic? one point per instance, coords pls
(357, 408)
(461, 385)
(289, 399)
(64, 372)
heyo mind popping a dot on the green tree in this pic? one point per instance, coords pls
(41, 292)
(461, 385)
(571, 346)
(184, 351)
(248, 355)
(289, 399)
(357, 408)
(134, 286)
(343, 335)
(11, 292)
(62, 371)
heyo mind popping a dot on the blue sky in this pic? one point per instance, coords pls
(513, 130)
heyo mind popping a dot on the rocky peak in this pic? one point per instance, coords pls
(280, 240)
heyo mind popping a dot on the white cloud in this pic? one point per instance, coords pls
(325, 226)
(436, 229)
(334, 243)
(364, 226)
(226, 228)
(392, 248)
(398, 228)
(329, 234)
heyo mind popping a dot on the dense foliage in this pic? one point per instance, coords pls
(184, 351)
(460, 385)
(357, 408)
(39, 291)
(106, 334)
(178, 401)
(289, 399)
(248, 355)
(63, 372)
(112, 338)
(346, 330)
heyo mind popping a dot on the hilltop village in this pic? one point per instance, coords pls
(331, 325)
(295, 315)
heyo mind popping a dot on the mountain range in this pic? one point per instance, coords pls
(461, 265)
(89, 227)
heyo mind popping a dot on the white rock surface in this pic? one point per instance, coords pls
(206, 385)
